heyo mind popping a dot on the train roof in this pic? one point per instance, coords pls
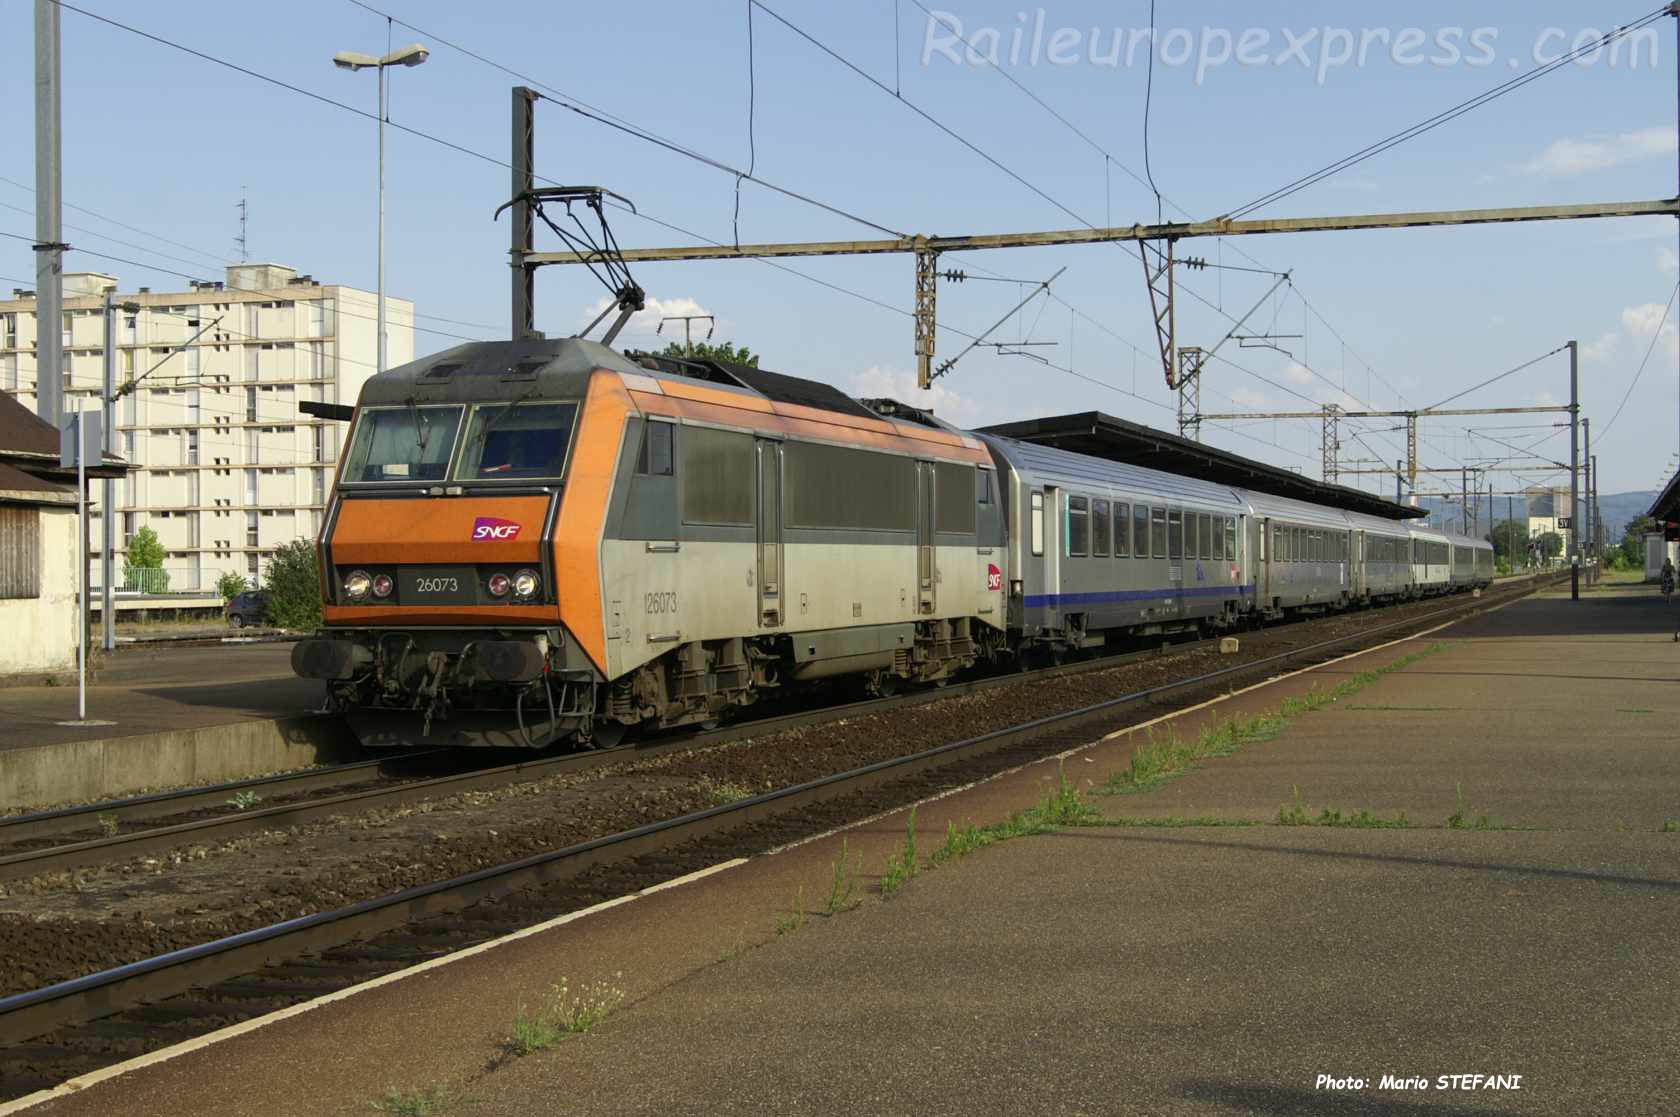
(1104, 436)
(1039, 464)
(481, 371)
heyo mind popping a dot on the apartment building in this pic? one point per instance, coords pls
(226, 468)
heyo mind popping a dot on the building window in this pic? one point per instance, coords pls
(20, 551)
(250, 529)
(250, 405)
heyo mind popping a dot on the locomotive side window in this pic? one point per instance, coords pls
(402, 444)
(1122, 530)
(716, 476)
(1175, 534)
(953, 495)
(860, 490)
(1158, 532)
(982, 486)
(657, 457)
(524, 441)
(1099, 529)
(1038, 523)
(1079, 526)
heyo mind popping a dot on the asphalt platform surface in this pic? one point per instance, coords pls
(1126, 968)
(152, 688)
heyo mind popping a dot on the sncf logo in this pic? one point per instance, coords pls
(489, 528)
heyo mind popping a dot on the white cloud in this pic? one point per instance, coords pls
(1298, 373)
(1632, 338)
(876, 382)
(644, 324)
(1248, 397)
(1597, 153)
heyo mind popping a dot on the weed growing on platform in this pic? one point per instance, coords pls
(1294, 813)
(794, 919)
(844, 882)
(1160, 759)
(1670, 826)
(244, 799)
(720, 792)
(1460, 818)
(413, 1103)
(901, 865)
(1173, 822)
(563, 1013)
(108, 825)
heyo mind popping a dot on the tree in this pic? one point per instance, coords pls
(293, 584)
(143, 567)
(1632, 546)
(230, 585)
(1510, 540)
(704, 351)
(1551, 545)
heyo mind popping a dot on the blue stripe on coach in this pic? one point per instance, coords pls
(1110, 597)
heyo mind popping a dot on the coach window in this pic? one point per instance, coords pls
(1078, 526)
(1038, 523)
(1175, 533)
(1122, 530)
(1219, 538)
(1140, 531)
(1189, 536)
(656, 458)
(1158, 532)
(1204, 537)
(1231, 538)
(1099, 529)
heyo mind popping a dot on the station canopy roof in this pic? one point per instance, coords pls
(1666, 510)
(1104, 436)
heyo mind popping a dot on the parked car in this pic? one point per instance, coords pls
(247, 608)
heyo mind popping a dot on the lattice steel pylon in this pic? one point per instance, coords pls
(1190, 360)
(1330, 444)
(927, 298)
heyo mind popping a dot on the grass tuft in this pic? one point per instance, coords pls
(844, 882)
(719, 792)
(413, 1103)
(794, 919)
(901, 864)
(562, 1013)
(1670, 826)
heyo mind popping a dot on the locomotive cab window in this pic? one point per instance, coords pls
(402, 444)
(517, 442)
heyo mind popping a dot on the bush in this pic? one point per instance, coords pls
(230, 585)
(143, 566)
(294, 586)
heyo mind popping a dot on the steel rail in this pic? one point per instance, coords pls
(26, 1015)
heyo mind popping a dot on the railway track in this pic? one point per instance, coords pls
(33, 845)
(53, 1034)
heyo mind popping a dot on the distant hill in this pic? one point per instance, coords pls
(1618, 509)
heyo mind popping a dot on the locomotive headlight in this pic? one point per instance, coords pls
(525, 583)
(356, 586)
(499, 584)
(382, 585)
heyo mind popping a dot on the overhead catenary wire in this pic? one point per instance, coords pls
(1445, 116)
(1656, 335)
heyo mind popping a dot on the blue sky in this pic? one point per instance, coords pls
(167, 143)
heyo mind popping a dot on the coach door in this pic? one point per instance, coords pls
(1267, 546)
(927, 555)
(771, 592)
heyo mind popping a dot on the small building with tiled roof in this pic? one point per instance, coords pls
(41, 570)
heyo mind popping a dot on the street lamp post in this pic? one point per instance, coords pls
(411, 55)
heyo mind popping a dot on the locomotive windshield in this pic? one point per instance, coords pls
(402, 444)
(524, 441)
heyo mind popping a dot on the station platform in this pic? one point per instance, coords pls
(1138, 965)
(171, 715)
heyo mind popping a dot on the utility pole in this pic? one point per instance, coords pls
(1574, 471)
(688, 321)
(49, 232)
(107, 513)
(1585, 523)
(1399, 475)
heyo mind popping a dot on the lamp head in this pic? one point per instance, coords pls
(411, 55)
(352, 60)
